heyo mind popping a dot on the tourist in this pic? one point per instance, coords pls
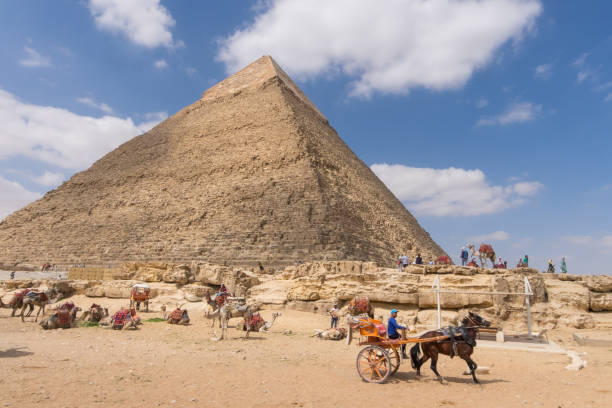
(464, 256)
(418, 260)
(261, 268)
(563, 265)
(505, 264)
(12, 274)
(404, 261)
(334, 315)
(525, 261)
(399, 263)
(431, 262)
(551, 266)
(393, 327)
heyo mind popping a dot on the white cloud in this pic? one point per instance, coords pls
(144, 22)
(49, 179)
(452, 191)
(86, 100)
(14, 196)
(388, 47)
(160, 64)
(604, 241)
(584, 70)
(543, 71)
(151, 120)
(481, 103)
(60, 137)
(493, 236)
(516, 113)
(34, 59)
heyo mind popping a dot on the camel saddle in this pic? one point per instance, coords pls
(67, 306)
(177, 314)
(120, 317)
(42, 295)
(486, 249)
(255, 320)
(63, 318)
(444, 260)
(359, 305)
(18, 296)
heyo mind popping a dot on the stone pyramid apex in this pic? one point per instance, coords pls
(253, 76)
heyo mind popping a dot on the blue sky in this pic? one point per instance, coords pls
(490, 120)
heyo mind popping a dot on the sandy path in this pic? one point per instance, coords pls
(171, 366)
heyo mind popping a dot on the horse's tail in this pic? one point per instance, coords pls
(414, 355)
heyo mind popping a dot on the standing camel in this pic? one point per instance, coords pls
(485, 252)
(225, 313)
(40, 299)
(16, 302)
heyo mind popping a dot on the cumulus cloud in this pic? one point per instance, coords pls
(91, 102)
(516, 113)
(543, 71)
(452, 191)
(14, 196)
(160, 64)
(388, 47)
(49, 179)
(34, 59)
(60, 137)
(144, 22)
(493, 236)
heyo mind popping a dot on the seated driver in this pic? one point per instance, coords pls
(392, 329)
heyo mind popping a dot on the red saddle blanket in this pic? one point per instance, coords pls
(120, 317)
(444, 260)
(67, 306)
(18, 296)
(359, 305)
(176, 314)
(63, 318)
(256, 320)
(486, 249)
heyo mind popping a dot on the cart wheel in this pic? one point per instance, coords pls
(374, 364)
(395, 360)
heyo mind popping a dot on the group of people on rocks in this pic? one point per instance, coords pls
(403, 261)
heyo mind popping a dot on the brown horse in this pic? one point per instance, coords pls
(463, 345)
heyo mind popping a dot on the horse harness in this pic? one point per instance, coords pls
(458, 331)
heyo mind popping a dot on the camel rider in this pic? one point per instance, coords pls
(392, 330)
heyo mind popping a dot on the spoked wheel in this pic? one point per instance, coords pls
(374, 364)
(395, 360)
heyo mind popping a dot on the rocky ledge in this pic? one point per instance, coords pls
(578, 301)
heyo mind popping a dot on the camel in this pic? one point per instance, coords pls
(490, 255)
(122, 320)
(63, 318)
(179, 316)
(225, 313)
(257, 323)
(40, 299)
(16, 302)
(95, 314)
(331, 334)
(214, 307)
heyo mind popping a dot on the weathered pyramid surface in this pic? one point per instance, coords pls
(252, 172)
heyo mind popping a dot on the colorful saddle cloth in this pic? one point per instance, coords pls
(256, 320)
(120, 317)
(359, 305)
(63, 318)
(18, 296)
(177, 314)
(486, 249)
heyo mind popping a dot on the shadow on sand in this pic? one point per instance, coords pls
(14, 352)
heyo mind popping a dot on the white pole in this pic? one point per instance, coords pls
(438, 299)
(528, 305)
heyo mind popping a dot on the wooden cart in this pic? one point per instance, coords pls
(380, 359)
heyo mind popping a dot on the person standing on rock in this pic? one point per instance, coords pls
(464, 256)
(419, 260)
(261, 268)
(551, 266)
(392, 330)
(334, 315)
(405, 261)
(399, 263)
(563, 265)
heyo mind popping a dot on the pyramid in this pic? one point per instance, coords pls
(252, 172)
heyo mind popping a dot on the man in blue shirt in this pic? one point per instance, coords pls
(392, 330)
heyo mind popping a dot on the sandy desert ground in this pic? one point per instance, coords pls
(176, 366)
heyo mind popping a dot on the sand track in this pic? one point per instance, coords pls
(171, 366)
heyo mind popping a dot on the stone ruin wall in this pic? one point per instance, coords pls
(577, 301)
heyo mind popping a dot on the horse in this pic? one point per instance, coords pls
(463, 346)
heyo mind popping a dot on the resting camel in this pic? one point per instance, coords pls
(95, 314)
(63, 318)
(483, 255)
(40, 299)
(257, 323)
(179, 316)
